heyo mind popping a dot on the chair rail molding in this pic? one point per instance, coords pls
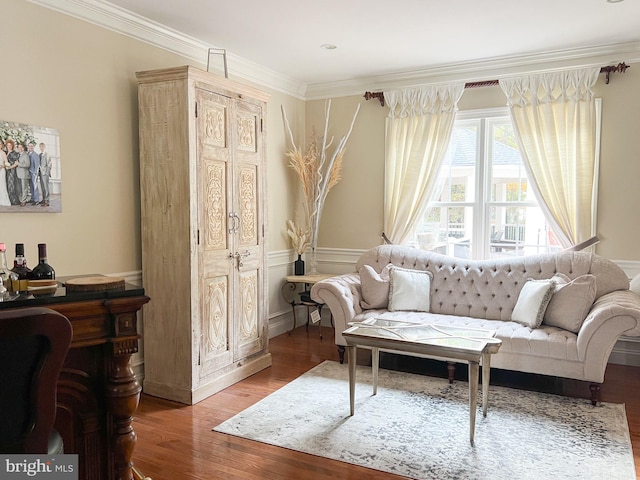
(630, 267)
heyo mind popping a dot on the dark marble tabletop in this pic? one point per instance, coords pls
(14, 300)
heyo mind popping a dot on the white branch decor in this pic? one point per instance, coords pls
(319, 169)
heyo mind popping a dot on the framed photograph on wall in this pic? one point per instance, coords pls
(30, 174)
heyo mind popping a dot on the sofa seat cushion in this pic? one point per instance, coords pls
(545, 341)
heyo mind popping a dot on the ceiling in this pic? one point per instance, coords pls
(380, 38)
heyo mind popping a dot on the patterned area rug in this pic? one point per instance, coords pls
(418, 427)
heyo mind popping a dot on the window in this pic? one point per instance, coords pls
(483, 206)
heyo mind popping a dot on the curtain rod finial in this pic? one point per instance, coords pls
(609, 69)
(378, 95)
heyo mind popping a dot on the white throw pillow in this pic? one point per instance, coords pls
(409, 289)
(532, 302)
(571, 301)
(375, 287)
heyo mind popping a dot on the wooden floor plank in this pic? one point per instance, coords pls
(175, 442)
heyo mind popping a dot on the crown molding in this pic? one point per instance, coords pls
(117, 19)
(479, 70)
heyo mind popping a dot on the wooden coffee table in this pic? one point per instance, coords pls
(456, 343)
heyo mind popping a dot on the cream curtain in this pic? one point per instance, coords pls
(554, 119)
(419, 126)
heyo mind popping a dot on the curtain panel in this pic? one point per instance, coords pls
(555, 122)
(418, 130)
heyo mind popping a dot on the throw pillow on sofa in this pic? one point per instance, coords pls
(409, 289)
(375, 287)
(571, 301)
(532, 302)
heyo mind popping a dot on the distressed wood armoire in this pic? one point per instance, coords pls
(203, 215)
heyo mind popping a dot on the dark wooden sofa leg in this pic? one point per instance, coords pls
(451, 369)
(341, 350)
(595, 393)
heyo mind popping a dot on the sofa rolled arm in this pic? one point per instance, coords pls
(614, 314)
(342, 295)
(628, 303)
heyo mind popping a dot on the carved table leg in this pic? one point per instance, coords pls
(123, 393)
(595, 393)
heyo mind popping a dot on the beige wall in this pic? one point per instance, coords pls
(70, 75)
(352, 216)
(353, 212)
(67, 74)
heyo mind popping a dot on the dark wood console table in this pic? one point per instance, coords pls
(97, 391)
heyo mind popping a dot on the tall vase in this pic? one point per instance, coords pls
(312, 261)
(298, 266)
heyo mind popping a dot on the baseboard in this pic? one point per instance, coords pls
(279, 324)
(626, 352)
(190, 396)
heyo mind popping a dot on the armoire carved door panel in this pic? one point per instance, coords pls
(214, 329)
(214, 242)
(249, 237)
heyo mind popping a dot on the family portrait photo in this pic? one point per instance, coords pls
(30, 177)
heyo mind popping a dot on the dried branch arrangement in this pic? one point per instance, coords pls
(319, 169)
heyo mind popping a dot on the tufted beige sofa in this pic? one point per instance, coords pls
(483, 294)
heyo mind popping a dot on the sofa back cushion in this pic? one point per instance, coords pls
(490, 288)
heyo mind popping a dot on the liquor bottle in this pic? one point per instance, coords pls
(43, 270)
(5, 273)
(20, 268)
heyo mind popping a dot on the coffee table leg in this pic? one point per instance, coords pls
(352, 377)
(375, 362)
(486, 376)
(473, 397)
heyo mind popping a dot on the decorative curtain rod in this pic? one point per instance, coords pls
(608, 70)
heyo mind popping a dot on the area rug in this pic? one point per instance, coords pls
(418, 427)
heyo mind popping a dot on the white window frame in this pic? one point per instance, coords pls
(481, 205)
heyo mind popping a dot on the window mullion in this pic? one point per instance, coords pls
(481, 210)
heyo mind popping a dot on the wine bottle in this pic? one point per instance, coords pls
(43, 270)
(20, 268)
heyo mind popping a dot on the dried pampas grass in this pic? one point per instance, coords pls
(299, 237)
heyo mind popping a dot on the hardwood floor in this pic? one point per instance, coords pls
(175, 441)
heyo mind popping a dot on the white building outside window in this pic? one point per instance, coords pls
(483, 206)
